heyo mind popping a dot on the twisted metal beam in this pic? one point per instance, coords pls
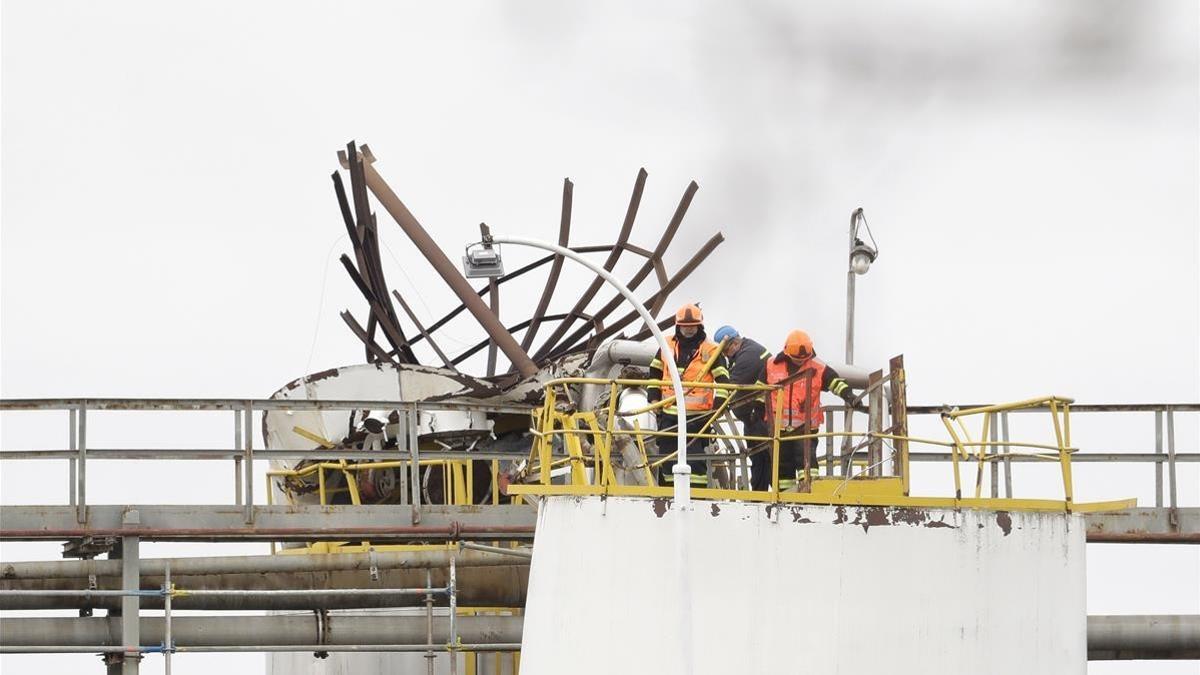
(564, 233)
(635, 201)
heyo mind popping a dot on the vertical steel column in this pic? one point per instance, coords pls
(168, 639)
(72, 463)
(1007, 458)
(237, 460)
(993, 470)
(248, 480)
(429, 621)
(414, 454)
(829, 443)
(453, 591)
(850, 308)
(1171, 484)
(875, 424)
(1158, 466)
(130, 581)
(81, 478)
(900, 419)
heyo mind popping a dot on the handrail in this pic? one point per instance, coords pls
(589, 445)
(999, 452)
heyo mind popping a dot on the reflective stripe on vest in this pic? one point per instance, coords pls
(797, 393)
(693, 399)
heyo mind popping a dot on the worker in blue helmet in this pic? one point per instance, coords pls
(748, 365)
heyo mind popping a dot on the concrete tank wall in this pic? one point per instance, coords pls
(816, 589)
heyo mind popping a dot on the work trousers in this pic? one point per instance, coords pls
(753, 424)
(667, 444)
(792, 453)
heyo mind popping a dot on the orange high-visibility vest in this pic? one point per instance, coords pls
(805, 387)
(693, 399)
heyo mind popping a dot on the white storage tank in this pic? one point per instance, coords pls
(624, 585)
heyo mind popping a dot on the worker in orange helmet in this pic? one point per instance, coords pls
(698, 360)
(802, 377)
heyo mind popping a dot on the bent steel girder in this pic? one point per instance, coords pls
(635, 201)
(564, 233)
(517, 327)
(449, 316)
(366, 271)
(663, 243)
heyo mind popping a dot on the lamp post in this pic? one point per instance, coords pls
(861, 257)
(483, 260)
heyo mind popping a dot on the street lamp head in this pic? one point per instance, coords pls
(861, 257)
(482, 261)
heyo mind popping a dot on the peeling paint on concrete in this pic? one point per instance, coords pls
(716, 510)
(661, 506)
(1004, 521)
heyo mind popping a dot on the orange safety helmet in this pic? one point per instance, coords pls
(689, 315)
(799, 346)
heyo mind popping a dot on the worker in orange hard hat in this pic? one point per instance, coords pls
(802, 377)
(698, 360)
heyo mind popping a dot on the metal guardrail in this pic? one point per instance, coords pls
(243, 453)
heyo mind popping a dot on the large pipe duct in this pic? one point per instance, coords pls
(480, 586)
(1152, 636)
(249, 631)
(1109, 637)
(253, 564)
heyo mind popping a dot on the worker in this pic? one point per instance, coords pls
(698, 360)
(802, 378)
(748, 365)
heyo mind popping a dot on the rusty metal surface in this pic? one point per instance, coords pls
(375, 523)
(366, 272)
(610, 262)
(564, 235)
(1145, 526)
(438, 259)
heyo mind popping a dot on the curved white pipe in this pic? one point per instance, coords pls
(681, 470)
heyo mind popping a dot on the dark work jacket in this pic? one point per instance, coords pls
(748, 365)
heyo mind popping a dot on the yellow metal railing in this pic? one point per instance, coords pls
(585, 441)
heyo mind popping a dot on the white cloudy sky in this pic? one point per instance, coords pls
(1030, 172)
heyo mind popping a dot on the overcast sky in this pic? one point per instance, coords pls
(1030, 172)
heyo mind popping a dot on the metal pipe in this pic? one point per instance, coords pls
(681, 469)
(1143, 637)
(1108, 637)
(490, 586)
(255, 564)
(255, 630)
(448, 271)
(91, 649)
(514, 552)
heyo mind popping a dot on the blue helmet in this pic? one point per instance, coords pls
(726, 333)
